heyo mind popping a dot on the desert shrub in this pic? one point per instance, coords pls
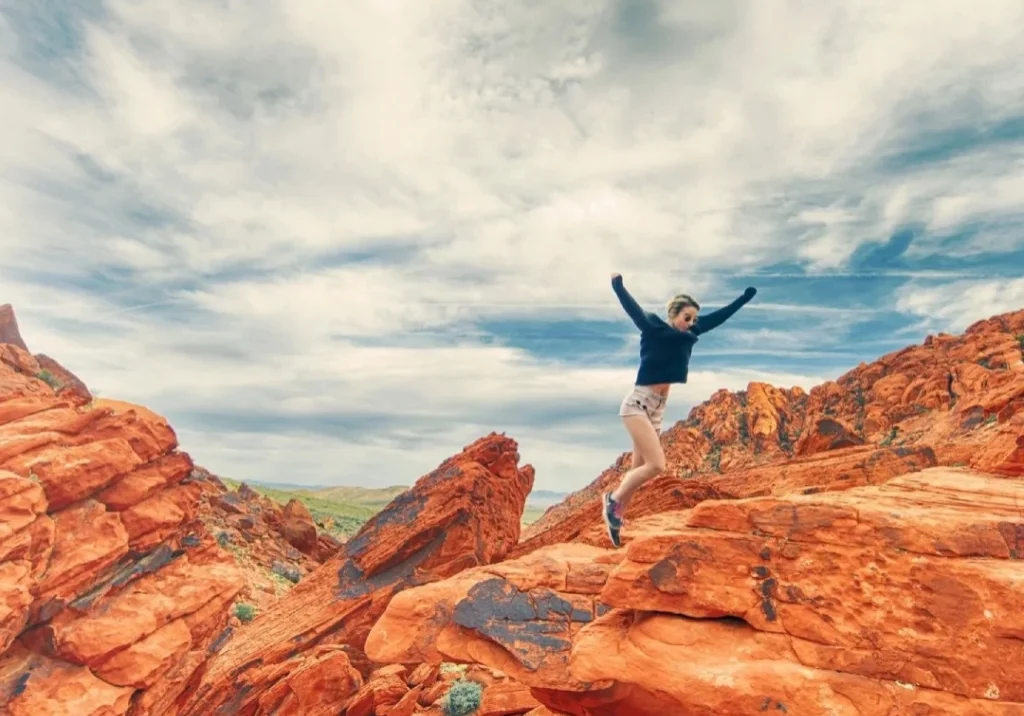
(462, 699)
(245, 612)
(50, 379)
(223, 538)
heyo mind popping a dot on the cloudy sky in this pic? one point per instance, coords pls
(335, 242)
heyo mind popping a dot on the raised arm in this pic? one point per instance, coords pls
(633, 308)
(714, 319)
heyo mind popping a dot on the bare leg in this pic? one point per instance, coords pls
(638, 457)
(647, 445)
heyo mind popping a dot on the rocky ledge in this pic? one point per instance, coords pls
(905, 597)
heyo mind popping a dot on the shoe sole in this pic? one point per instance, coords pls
(608, 525)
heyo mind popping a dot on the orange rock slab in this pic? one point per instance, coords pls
(519, 617)
(33, 685)
(507, 699)
(669, 664)
(832, 470)
(917, 580)
(325, 679)
(902, 597)
(465, 513)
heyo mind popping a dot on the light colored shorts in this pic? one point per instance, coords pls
(644, 401)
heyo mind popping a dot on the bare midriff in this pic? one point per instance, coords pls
(660, 388)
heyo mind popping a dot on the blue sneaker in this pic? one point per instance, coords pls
(612, 521)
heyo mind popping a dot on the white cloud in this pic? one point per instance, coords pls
(175, 227)
(953, 306)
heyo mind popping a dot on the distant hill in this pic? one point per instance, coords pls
(342, 510)
(545, 498)
(373, 497)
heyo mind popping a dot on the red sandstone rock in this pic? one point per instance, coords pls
(126, 618)
(146, 481)
(408, 704)
(326, 546)
(67, 380)
(15, 600)
(838, 571)
(854, 592)
(1004, 452)
(298, 528)
(324, 680)
(9, 332)
(32, 685)
(506, 699)
(832, 470)
(24, 363)
(249, 526)
(88, 540)
(519, 616)
(465, 513)
(380, 694)
(424, 675)
(716, 668)
(99, 627)
(827, 434)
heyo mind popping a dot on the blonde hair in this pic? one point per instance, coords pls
(677, 303)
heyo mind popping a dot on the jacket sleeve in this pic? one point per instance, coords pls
(633, 309)
(714, 319)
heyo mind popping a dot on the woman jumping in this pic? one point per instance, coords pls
(664, 359)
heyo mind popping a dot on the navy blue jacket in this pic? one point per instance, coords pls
(664, 349)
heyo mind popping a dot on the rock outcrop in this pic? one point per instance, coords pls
(465, 513)
(953, 400)
(297, 527)
(256, 531)
(903, 597)
(41, 366)
(834, 470)
(9, 331)
(112, 593)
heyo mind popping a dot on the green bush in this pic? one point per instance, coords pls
(462, 699)
(50, 379)
(245, 612)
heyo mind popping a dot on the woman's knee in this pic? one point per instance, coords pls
(656, 464)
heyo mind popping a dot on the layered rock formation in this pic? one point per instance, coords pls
(953, 400)
(898, 598)
(275, 546)
(112, 593)
(465, 513)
